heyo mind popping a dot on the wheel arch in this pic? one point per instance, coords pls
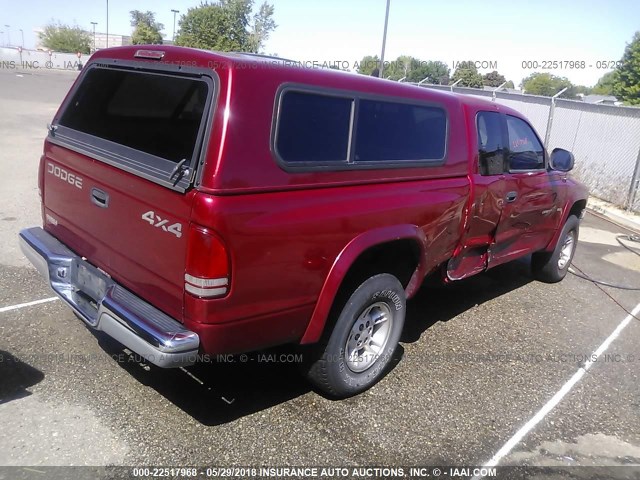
(576, 206)
(385, 245)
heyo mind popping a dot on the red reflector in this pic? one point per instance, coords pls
(153, 54)
(207, 269)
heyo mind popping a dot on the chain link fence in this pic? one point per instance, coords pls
(606, 143)
(605, 139)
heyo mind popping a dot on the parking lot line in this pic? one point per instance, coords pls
(28, 304)
(557, 398)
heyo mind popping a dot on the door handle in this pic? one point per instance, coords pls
(511, 197)
(99, 198)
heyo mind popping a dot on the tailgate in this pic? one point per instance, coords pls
(138, 237)
(116, 170)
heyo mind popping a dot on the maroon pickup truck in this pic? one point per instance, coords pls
(197, 203)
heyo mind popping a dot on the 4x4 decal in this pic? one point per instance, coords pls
(157, 221)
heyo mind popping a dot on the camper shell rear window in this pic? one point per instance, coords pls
(150, 123)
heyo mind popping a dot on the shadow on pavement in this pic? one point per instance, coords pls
(221, 391)
(15, 377)
(440, 303)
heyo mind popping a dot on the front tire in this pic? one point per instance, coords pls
(551, 267)
(354, 355)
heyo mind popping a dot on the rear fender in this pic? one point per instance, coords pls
(346, 259)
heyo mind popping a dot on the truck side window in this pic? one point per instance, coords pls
(313, 127)
(391, 131)
(525, 150)
(490, 148)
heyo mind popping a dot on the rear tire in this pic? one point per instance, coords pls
(551, 267)
(355, 353)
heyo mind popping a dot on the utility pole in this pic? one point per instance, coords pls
(22, 35)
(94, 35)
(8, 35)
(384, 39)
(107, 23)
(174, 24)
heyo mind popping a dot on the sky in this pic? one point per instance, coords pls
(494, 33)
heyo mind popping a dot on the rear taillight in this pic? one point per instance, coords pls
(41, 178)
(208, 271)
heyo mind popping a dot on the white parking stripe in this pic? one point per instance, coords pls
(28, 304)
(557, 398)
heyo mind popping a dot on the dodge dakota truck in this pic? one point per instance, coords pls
(199, 203)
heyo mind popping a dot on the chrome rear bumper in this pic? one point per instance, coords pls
(105, 305)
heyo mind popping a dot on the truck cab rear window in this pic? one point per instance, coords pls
(153, 113)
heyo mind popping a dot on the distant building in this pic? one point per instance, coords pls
(601, 99)
(503, 89)
(115, 40)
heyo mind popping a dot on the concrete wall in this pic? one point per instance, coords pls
(12, 59)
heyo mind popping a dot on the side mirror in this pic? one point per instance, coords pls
(561, 160)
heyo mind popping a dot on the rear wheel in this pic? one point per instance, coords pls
(354, 355)
(553, 266)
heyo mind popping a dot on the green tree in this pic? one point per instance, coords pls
(398, 68)
(213, 27)
(605, 84)
(627, 78)
(263, 25)
(145, 35)
(468, 75)
(63, 38)
(146, 29)
(368, 65)
(493, 79)
(548, 85)
(433, 72)
(226, 26)
(414, 69)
